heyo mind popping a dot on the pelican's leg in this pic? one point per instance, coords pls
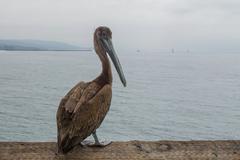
(96, 143)
(94, 134)
(99, 144)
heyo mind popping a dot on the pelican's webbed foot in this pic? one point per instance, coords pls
(94, 144)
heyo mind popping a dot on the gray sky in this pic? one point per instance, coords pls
(210, 25)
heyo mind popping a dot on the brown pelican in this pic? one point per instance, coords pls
(84, 107)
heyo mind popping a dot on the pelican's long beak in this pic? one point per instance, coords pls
(107, 43)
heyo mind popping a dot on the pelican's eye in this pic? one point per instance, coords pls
(104, 35)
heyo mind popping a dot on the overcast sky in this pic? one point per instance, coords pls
(198, 25)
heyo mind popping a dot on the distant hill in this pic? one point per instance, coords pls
(37, 45)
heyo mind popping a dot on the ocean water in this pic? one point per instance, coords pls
(168, 96)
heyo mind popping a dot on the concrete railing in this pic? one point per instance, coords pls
(137, 150)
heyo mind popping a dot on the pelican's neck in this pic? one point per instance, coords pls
(106, 75)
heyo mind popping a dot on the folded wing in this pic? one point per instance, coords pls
(81, 112)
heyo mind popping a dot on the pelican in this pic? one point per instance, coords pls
(82, 110)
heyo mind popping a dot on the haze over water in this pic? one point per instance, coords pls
(168, 96)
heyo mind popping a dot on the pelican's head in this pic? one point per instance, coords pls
(103, 37)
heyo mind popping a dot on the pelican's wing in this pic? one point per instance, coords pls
(89, 116)
(78, 118)
(65, 109)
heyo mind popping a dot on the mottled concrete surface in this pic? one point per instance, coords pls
(138, 150)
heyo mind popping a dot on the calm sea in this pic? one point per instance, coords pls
(168, 96)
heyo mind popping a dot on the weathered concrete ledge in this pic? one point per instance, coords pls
(137, 150)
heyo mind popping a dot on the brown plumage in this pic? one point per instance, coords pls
(84, 107)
